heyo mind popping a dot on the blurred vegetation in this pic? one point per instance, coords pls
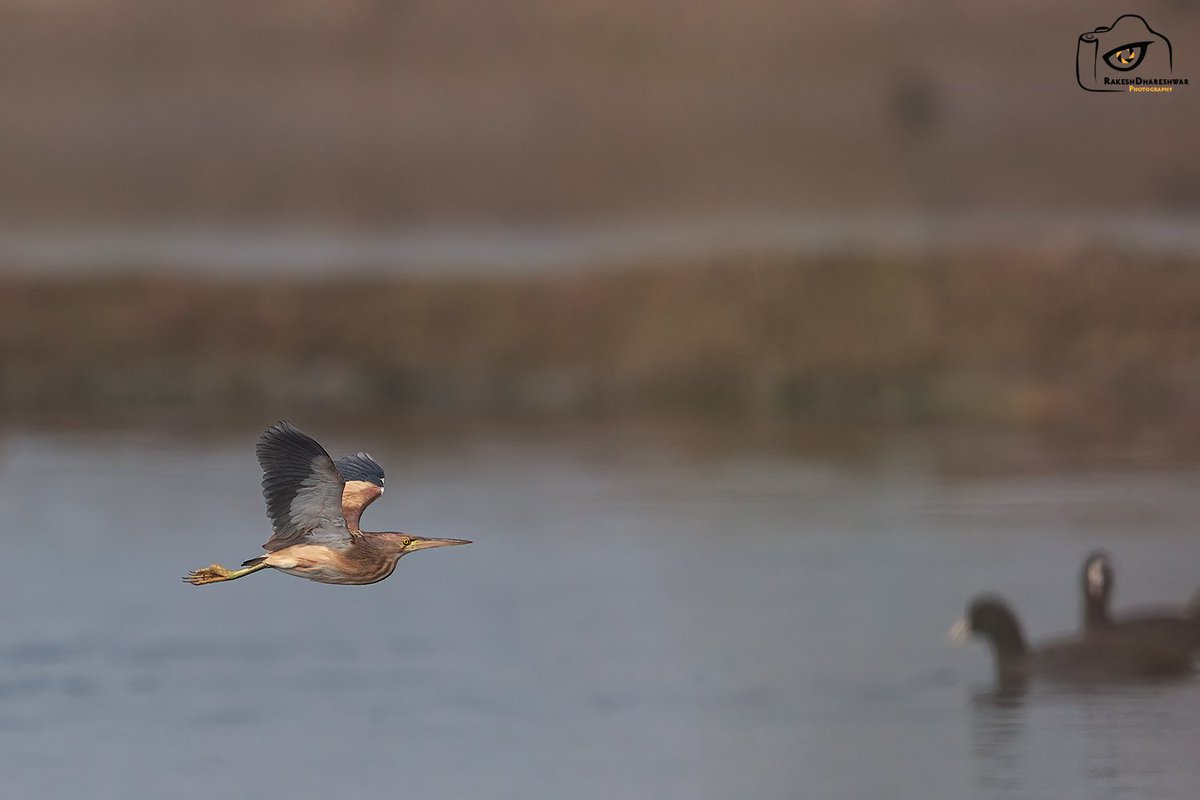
(1078, 341)
(376, 113)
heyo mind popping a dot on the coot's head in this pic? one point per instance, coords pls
(1097, 577)
(1097, 583)
(989, 616)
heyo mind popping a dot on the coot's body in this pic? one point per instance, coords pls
(1164, 625)
(1105, 656)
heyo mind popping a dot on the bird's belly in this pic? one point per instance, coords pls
(315, 562)
(321, 573)
(326, 565)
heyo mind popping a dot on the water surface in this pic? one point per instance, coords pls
(634, 620)
(458, 250)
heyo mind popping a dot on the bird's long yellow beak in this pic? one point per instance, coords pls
(959, 632)
(421, 543)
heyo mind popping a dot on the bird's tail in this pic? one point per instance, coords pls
(254, 562)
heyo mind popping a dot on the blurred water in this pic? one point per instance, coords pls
(497, 250)
(634, 620)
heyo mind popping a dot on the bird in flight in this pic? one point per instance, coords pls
(315, 505)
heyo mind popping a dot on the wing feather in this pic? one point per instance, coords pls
(364, 484)
(360, 467)
(303, 489)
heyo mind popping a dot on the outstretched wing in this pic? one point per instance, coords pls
(364, 485)
(303, 490)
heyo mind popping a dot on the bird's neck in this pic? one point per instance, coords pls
(1095, 614)
(1008, 643)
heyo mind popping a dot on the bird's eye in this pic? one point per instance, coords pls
(1127, 56)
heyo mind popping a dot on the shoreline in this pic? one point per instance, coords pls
(1081, 341)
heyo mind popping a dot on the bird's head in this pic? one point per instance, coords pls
(990, 617)
(407, 543)
(1097, 576)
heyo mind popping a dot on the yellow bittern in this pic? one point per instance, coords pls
(315, 505)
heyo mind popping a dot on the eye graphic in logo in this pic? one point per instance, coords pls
(1124, 49)
(1126, 57)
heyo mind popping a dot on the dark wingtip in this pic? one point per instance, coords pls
(280, 430)
(283, 436)
(360, 467)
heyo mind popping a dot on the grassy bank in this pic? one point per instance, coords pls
(1073, 340)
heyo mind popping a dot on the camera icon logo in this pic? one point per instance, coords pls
(1126, 54)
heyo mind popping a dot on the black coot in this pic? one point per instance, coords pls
(1102, 657)
(1171, 626)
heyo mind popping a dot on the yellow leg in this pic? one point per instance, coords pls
(216, 573)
